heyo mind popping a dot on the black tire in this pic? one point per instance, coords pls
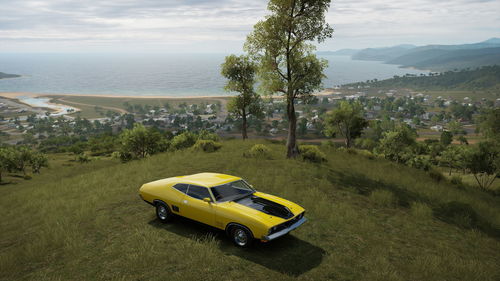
(241, 236)
(163, 212)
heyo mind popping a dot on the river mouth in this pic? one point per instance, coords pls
(41, 102)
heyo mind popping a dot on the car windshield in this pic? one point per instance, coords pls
(232, 191)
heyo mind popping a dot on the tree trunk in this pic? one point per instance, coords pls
(348, 142)
(244, 125)
(291, 142)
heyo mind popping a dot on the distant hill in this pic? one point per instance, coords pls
(484, 78)
(5, 75)
(382, 54)
(442, 60)
(342, 52)
(433, 57)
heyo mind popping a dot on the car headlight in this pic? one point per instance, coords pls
(272, 229)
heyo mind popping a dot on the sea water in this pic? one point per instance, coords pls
(153, 74)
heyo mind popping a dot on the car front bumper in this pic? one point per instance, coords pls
(284, 231)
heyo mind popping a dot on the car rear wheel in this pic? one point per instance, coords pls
(241, 236)
(163, 212)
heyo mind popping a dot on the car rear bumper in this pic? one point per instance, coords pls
(284, 231)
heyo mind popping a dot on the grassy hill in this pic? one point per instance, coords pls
(368, 220)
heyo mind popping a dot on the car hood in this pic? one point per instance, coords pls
(267, 207)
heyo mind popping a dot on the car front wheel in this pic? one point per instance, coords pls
(163, 212)
(241, 236)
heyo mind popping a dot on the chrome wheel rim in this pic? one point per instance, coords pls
(240, 237)
(162, 212)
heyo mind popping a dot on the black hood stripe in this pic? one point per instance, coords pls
(266, 206)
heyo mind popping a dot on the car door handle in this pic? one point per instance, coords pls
(184, 201)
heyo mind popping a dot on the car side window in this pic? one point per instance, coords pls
(182, 187)
(198, 192)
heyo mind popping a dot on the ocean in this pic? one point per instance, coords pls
(152, 74)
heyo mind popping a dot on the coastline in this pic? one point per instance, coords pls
(15, 95)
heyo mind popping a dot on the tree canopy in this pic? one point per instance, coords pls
(287, 64)
(347, 120)
(240, 72)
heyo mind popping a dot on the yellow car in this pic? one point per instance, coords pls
(224, 202)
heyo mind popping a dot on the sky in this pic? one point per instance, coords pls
(221, 26)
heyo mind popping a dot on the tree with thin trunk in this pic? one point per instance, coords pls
(484, 163)
(240, 72)
(287, 64)
(6, 160)
(346, 120)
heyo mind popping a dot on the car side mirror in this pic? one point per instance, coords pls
(206, 199)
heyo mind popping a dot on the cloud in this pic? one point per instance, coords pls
(222, 25)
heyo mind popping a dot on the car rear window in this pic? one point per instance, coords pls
(182, 187)
(198, 192)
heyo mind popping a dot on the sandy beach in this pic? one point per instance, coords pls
(14, 95)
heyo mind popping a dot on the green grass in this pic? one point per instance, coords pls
(118, 102)
(460, 95)
(86, 222)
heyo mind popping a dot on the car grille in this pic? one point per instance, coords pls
(287, 224)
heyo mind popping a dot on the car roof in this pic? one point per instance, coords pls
(207, 179)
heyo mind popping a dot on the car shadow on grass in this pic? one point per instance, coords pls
(288, 254)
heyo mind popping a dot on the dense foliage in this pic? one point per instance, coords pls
(484, 78)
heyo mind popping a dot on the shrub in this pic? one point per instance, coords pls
(83, 158)
(456, 180)
(206, 135)
(259, 151)
(383, 198)
(116, 155)
(125, 156)
(436, 175)
(367, 144)
(458, 213)
(421, 162)
(366, 153)
(328, 143)
(141, 141)
(421, 210)
(184, 140)
(312, 153)
(206, 145)
(351, 151)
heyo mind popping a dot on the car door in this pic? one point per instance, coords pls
(176, 197)
(195, 208)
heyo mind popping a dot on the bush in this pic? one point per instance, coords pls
(456, 180)
(421, 162)
(420, 210)
(312, 153)
(383, 198)
(206, 145)
(436, 175)
(367, 144)
(83, 158)
(206, 135)
(457, 213)
(125, 156)
(329, 144)
(366, 153)
(259, 151)
(184, 140)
